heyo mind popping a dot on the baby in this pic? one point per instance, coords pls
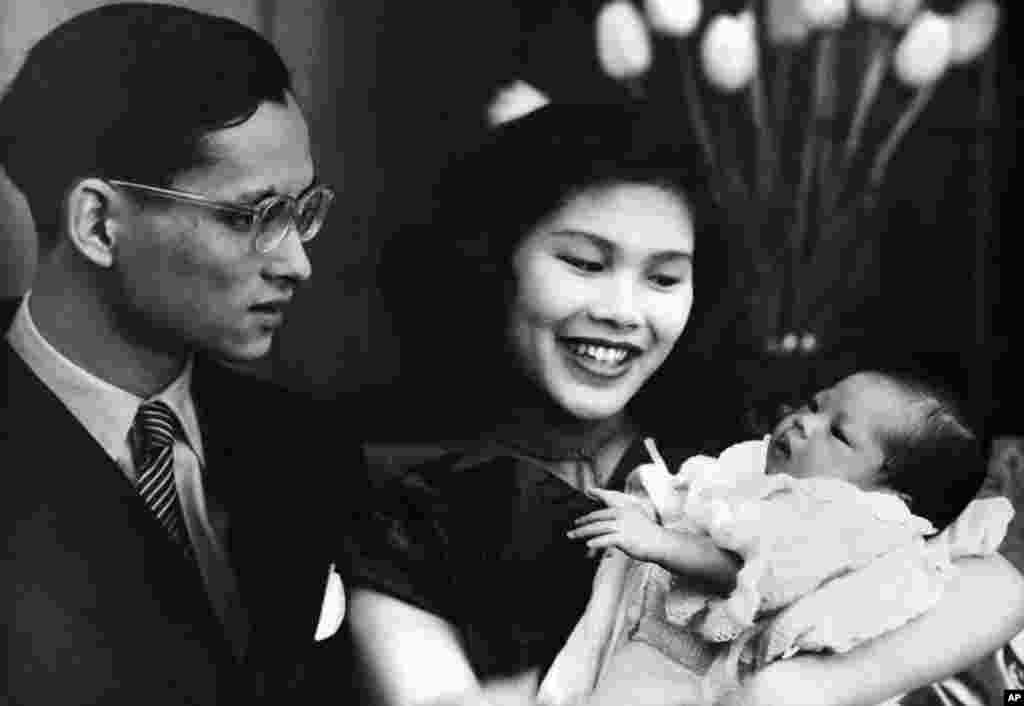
(770, 539)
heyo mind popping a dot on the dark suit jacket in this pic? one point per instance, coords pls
(97, 605)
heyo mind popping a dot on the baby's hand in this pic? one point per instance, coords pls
(623, 524)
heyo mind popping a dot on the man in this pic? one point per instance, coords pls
(170, 527)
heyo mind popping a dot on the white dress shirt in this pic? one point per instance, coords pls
(107, 413)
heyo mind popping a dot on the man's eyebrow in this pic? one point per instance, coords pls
(257, 195)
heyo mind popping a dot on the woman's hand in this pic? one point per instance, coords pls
(623, 524)
(980, 610)
(519, 690)
(801, 681)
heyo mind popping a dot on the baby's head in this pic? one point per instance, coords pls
(888, 433)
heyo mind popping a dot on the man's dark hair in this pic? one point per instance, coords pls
(129, 91)
(937, 461)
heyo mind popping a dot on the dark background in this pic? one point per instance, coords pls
(941, 301)
(394, 90)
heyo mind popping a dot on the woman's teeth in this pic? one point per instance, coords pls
(602, 354)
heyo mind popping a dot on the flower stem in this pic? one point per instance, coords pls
(635, 86)
(810, 152)
(780, 102)
(765, 142)
(696, 108)
(881, 41)
(826, 78)
(906, 121)
(730, 165)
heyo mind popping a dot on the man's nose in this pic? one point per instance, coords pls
(289, 259)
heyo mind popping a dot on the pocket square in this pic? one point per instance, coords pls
(332, 611)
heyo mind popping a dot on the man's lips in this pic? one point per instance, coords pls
(271, 309)
(274, 306)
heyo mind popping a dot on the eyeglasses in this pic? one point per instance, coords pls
(270, 220)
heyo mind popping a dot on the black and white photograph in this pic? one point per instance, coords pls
(513, 353)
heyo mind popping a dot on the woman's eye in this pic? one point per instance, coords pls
(581, 263)
(812, 405)
(665, 281)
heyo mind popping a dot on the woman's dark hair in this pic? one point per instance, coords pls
(129, 91)
(489, 199)
(937, 461)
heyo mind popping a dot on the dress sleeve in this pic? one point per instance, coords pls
(401, 547)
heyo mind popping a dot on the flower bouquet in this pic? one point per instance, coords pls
(799, 107)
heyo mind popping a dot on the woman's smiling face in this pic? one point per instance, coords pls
(603, 291)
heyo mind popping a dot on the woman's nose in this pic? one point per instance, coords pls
(616, 304)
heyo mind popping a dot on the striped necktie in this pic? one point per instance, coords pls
(154, 430)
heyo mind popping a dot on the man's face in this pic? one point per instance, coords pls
(189, 275)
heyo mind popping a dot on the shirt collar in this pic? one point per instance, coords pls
(178, 396)
(105, 410)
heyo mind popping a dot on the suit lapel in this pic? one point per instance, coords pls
(280, 567)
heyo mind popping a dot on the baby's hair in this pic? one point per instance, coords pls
(937, 460)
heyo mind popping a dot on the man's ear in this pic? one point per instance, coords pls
(94, 220)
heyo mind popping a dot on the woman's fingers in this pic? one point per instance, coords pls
(611, 498)
(593, 529)
(608, 513)
(604, 541)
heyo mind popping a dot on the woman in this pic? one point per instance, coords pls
(572, 237)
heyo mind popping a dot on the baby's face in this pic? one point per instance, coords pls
(839, 433)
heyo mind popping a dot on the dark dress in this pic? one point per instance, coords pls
(479, 539)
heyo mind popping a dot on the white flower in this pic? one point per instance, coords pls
(874, 9)
(674, 17)
(785, 22)
(974, 26)
(514, 101)
(808, 343)
(789, 342)
(825, 14)
(904, 11)
(729, 51)
(623, 44)
(925, 51)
